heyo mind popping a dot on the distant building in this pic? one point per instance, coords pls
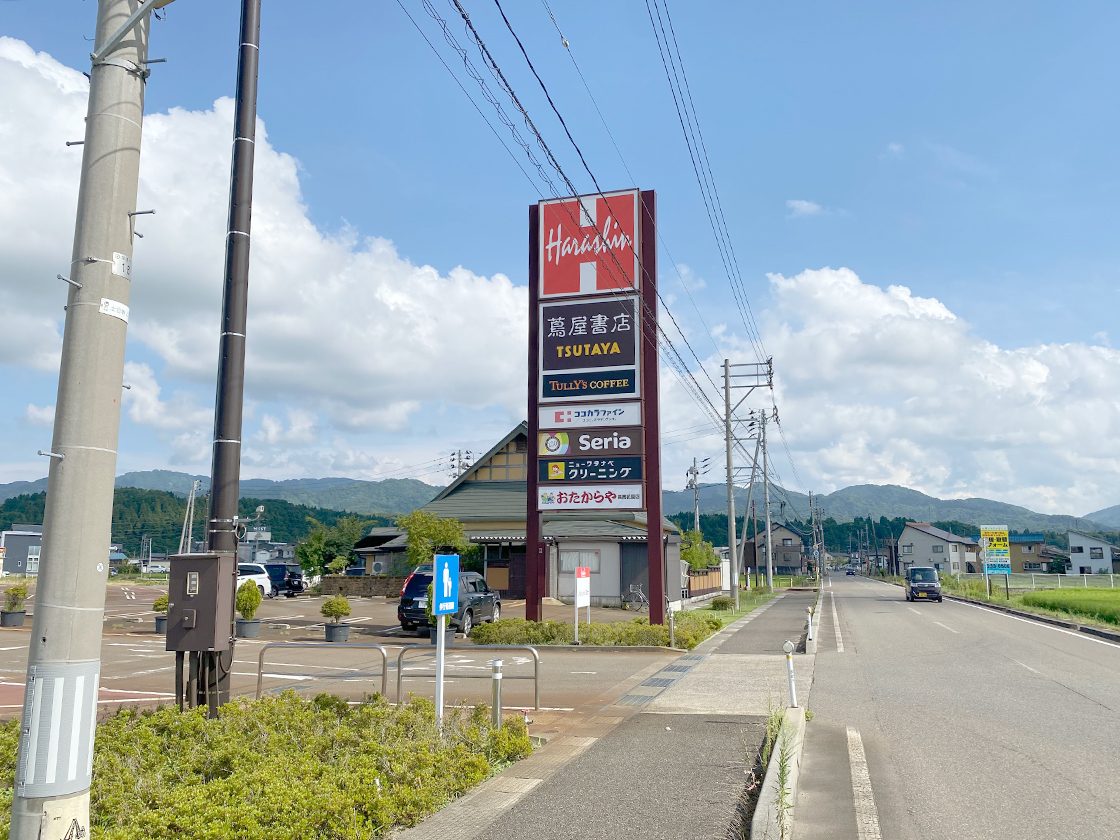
(20, 547)
(1089, 555)
(789, 552)
(921, 544)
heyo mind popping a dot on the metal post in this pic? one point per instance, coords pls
(672, 631)
(226, 467)
(496, 694)
(809, 623)
(441, 653)
(575, 601)
(64, 657)
(788, 647)
(729, 441)
(769, 531)
(743, 538)
(1007, 587)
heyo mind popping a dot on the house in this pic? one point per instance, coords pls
(20, 548)
(490, 500)
(921, 544)
(789, 551)
(1090, 555)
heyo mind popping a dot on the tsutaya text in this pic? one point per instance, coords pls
(592, 414)
(576, 497)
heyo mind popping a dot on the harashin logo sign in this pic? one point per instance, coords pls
(588, 245)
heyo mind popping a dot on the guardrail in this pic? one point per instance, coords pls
(535, 678)
(333, 646)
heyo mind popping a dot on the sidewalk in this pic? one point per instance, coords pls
(669, 758)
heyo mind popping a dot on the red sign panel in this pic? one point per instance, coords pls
(583, 572)
(589, 245)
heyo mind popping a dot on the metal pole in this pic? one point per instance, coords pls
(672, 631)
(809, 620)
(732, 554)
(64, 657)
(575, 601)
(743, 538)
(769, 532)
(441, 652)
(694, 473)
(226, 468)
(496, 694)
(788, 647)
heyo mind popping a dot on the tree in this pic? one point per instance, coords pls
(325, 544)
(427, 532)
(696, 552)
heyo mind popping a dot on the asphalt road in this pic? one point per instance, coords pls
(952, 721)
(136, 670)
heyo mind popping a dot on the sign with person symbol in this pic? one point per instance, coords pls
(445, 592)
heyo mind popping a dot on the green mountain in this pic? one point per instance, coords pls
(390, 496)
(1108, 516)
(159, 514)
(891, 501)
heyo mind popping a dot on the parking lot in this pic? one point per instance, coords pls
(137, 670)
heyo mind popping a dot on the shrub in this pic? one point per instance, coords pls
(15, 597)
(338, 565)
(691, 629)
(723, 603)
(248, 599)
(282, 768)
(335, 608)
(161, 603)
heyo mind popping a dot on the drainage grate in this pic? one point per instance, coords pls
(693, 657)
(680, 669)
(659, 682)
(634, 700)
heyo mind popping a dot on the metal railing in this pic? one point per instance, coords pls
(486, 676)
(1026, 581)
(333, 646)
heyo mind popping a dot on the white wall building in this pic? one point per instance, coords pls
(1088, 555)
(923, 545)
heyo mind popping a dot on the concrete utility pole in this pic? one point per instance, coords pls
(729, 441)
(226, 468)
(750, 506)
(64, 659)
(769, 531)
(694, 482)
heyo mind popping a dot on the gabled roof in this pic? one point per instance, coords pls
(926, 528)
(1087, 536)
(521, 428)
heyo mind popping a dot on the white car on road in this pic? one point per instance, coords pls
(256, 573)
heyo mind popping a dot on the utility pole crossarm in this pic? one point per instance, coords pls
(114, 40)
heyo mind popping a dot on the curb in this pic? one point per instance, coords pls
(764, 823)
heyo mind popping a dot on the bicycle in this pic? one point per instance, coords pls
(635, 600)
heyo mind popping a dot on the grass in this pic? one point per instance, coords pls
(691, 628)
(281, 768)
(1099, 605)
(749, 601)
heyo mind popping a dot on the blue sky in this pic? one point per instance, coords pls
(961, 150)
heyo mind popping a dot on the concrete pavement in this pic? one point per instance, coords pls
(953, 721)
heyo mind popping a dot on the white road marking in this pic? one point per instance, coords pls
(1028, 667)
(950, 629)
(836, 624)
(584, 672)
(867, 816)
(913, 611)
(1074, 633)
(17, 647)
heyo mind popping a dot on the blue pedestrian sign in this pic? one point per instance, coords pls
(445, 586)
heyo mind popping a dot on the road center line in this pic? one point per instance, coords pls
(913, 611)
(836, 624)
(946, 626)
(1028, 667)
(867, 816)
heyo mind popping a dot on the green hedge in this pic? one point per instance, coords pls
(281, 768)
(1098, 604)
(691, 628)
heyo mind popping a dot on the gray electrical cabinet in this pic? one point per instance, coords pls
(200, 601)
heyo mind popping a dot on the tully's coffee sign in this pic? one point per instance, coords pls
(624, 441)
(574, 386)
(623, 468)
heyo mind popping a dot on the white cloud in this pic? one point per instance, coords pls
(141, 399)
(896, 150)
(799, 208)
(37, 416)
(339, 325)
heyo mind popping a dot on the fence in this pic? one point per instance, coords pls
(449, 675)
(704, 581)
(1028, 581)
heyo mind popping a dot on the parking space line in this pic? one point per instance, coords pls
(867, 816)
(836, 624)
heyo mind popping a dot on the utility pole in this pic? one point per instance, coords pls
(64, 657)
(226, 466)
(750, 505)
(766, 486)
(754, 538)
(693, 482)
(187, 536)
(729, 441)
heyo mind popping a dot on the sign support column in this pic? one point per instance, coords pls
(535, 558)
(655, 543)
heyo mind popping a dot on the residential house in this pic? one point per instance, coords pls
(489, 499)
(789, 552)
(20, 548)
(921, 544)
(1089, 555)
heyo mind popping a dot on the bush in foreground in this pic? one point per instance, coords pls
(281, 768)
(1097, 604)
(691, 629)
